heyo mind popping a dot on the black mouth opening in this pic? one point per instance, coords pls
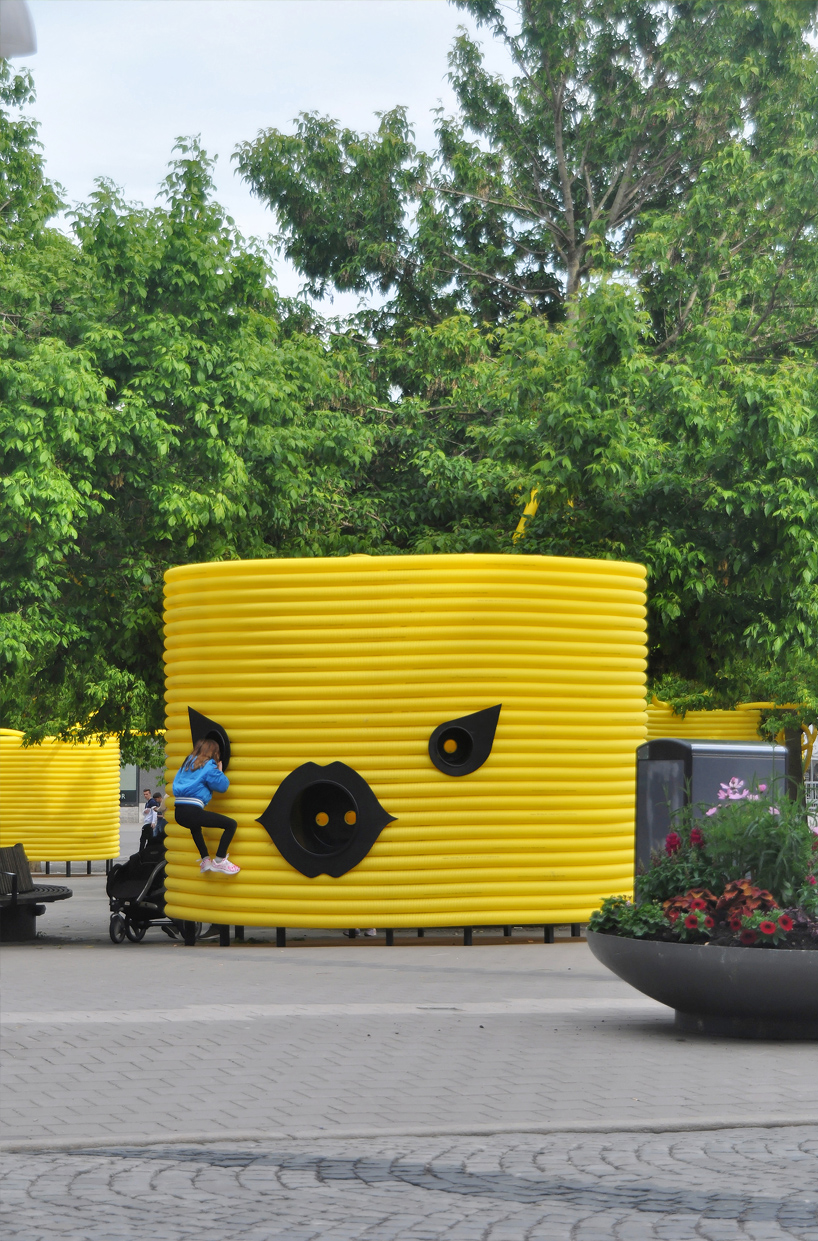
(323, 818)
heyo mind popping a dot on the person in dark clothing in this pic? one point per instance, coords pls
(196, 780)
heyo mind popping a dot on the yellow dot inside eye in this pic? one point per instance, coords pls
(350, 817)
(450, 746)
(322, 819)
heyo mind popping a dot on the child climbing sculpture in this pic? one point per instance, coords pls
(199, 777)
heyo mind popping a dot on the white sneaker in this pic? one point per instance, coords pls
(371, 933)
(224, 866)
(205, 864)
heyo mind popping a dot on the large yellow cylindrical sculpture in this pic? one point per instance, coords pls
(59, 800)
(740, 724)
(362, 661)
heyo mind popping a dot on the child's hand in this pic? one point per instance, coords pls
(220, 764)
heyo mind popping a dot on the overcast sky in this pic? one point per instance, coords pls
(118, 80)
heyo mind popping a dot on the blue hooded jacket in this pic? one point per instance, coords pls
(199, 785)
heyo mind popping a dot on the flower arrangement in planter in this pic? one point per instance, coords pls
(740, 875)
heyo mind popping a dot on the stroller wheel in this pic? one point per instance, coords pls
(117, 928)
(136, 931)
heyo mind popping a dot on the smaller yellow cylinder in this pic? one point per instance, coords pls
(58, 799)
(739, 725)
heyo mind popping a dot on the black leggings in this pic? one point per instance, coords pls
(194, 818)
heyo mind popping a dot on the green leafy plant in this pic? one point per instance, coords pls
(619, 916)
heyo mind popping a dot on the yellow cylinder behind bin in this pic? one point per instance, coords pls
(59, 800)
(738, 725)
(359, 660)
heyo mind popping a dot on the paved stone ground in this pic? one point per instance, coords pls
(755, 1185)
(331, 1057)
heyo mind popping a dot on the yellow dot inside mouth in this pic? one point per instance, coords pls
(450, 746)
(350, 817)
(322, 819)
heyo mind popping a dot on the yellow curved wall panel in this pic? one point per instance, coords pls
(59, 800)
(739, 725)
(358, 661)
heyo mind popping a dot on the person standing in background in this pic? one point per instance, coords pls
(148, 819)
(161, 820)
(148, 810)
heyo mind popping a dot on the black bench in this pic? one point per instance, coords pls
(21, 900)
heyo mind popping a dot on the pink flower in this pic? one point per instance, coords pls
(712, 810)
(762, 788)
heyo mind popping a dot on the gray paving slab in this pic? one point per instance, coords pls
(419, 1091)
(355, 1037)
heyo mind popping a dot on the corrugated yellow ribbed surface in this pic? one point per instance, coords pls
(739, 725)
(359, 660)
(61, 801)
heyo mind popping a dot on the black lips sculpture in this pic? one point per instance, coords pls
(459, 747)
(324, 820)
(203, 729)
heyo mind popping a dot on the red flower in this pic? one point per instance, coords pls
(708, 922)
(748, 937)
(735, 923)
(785, 922)
(696, 836)
(692, 922)
(673, 843)
(673, 915)
(767, 927)
(698, 903)
(811, 879)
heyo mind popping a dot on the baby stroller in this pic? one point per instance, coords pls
(136, 892)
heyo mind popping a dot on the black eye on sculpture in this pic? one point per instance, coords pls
(459, 747)
(203, 729)
(324, 820)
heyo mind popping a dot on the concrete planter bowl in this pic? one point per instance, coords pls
(738, 992)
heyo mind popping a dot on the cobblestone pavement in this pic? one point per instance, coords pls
(756, 1185)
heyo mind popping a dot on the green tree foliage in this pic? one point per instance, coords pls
(157, 405)
(670, 140)
(627, 227)
(601, 287)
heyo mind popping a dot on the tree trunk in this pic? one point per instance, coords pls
(795, 767)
